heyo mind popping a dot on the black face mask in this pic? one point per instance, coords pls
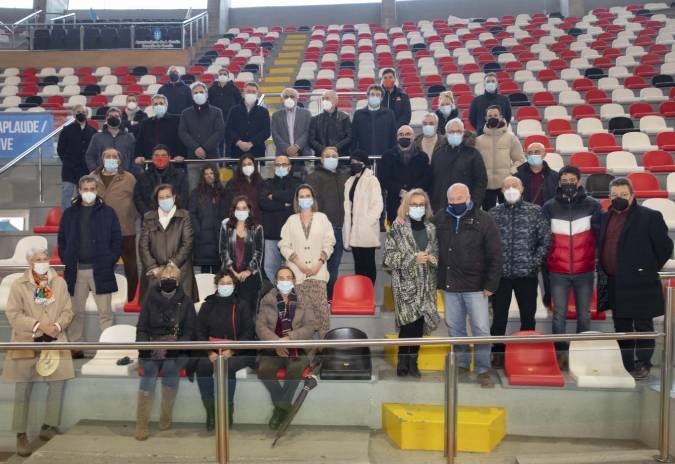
(568, 190)
(168, 285)
(492, 123)
(81, 117)
(357, 168)
(404, 142)
(114, 121)
(619, 204)
(173, 77)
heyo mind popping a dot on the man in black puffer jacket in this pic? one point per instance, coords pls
(526, 237)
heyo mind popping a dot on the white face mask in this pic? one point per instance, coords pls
(88, 197)
(327, 105)
(512, 195)
(248, 170)
(250, 98)
(132, 105)
(223, 78)
(199, 98)
(289, 103)
(445, 110)
(40, 268)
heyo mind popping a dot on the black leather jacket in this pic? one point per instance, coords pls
(254, 244)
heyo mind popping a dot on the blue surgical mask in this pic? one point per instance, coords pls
(330, 163)
(305, 203)
(166, 204)
(160, 110)
(416, 213)
(241, 215)
(491, 87)
(225, 290)
(111, 165)
(199, 98)
(454, 139)
(374, 101)
(281, 172)
(428, 131)
(285, 286)
(534, 160)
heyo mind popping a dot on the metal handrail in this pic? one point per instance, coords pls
(24, 19)
(6, 27)
(261, 159)
(35, 146)
(351, 343)
(64, 17)
(194, 18)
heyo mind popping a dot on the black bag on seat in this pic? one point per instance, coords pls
(346, 363)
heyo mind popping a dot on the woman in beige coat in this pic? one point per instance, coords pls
(363, 207)
(167, 238)
(502, 154)
(307, 241)
(38, 309)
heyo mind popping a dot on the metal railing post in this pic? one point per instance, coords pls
(451, 406)
(191, 34)
(81, 37)
(222, 446)
(666, 381)
(41, 195)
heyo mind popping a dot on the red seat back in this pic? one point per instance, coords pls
(559, 126)
(532, 363)
(353, 294)
(666, 140)
(528, 112)
(644, 181)
(584, 159)
(657, 158)
(540, 139)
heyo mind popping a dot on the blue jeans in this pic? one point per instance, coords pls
(68, 191)
(170, 368)
(273, 258)
(582, 284)
(474, 304)
(334, 261)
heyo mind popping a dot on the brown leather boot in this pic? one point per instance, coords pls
(166, 412)
(145, 400)
(22, 445)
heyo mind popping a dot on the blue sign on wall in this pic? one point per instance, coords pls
(18, 131)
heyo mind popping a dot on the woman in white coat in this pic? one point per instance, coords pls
(307, 241)
(363, 208)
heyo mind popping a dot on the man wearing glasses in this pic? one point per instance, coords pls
(276, 203)
(633, 246)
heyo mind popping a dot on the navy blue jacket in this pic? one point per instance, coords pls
(107, 238)
(395, 175)
(249, 126)
(374, 131)
(179, 96)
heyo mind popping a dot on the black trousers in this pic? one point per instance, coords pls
(248, 295)
(632, 349)
(364, 262)
(492, 197)
(525, 289)
(412, 330)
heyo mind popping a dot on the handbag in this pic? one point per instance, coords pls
(30, 354)
(160, 353)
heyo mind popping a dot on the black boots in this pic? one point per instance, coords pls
(210, 406)
(413, 371)
(402, 366)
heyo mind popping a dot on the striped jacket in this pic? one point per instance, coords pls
(575, 225)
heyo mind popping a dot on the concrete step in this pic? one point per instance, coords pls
(641, 456)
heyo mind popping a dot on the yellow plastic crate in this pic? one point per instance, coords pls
(422, 427)
(431, 357)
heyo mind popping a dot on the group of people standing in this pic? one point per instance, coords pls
(473, 217)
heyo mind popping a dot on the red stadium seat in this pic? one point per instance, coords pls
(604, 204)
(464, 101)
(353, 295)
(538, 139)
(126, 80)
(572, 305)
(582, 85)
(134, 89)
(544, 99)
(134, 306)
(635, 83)
(533, 364)
(667, 109)
(461, 89)
(639, 110)
(546, 75)
(658, 161)
(644, 70)
(584, 111)
(556, 127)
(646, 185)
(51, 225)
(54, 102)
(666, 141)
(98, 100)
(527, 112)
(587, 162)
(603, 143)
(55, 259)
(597, 97)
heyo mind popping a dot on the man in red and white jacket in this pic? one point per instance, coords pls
(575, 224)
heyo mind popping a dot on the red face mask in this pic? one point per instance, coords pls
(388, 82)
(160, 162)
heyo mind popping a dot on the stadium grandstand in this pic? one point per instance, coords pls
(300, 209)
